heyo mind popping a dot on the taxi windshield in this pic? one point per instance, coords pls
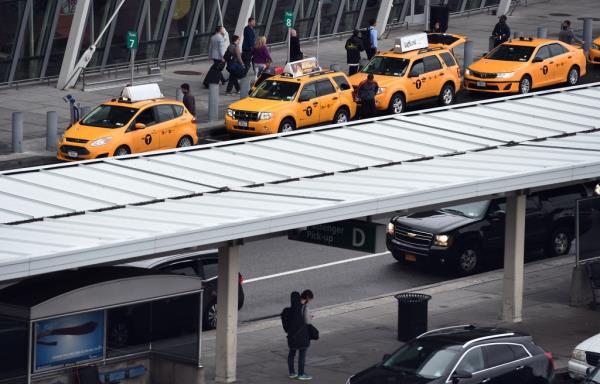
(109, 116)
(276, 90)
(387, 66)
(508, 52)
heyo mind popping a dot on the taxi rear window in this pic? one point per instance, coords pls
(276, 90)
(511, 52)
(448, 59)
(387, 66)
(109, 116)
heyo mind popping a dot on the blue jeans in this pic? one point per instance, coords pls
(301, 361)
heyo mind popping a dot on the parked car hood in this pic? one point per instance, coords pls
(592, 344)
(380, 375)
(435, 221)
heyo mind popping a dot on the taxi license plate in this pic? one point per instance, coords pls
(72, 154)
(481, 84)
(409, 257)
(242, 123)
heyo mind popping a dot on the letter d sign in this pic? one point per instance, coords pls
(358, 237)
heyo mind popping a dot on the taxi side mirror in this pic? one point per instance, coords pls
(139, 126)
(303, 98)
(537, 60)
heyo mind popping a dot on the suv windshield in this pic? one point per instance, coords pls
(109, 116)
(474, 210)
(386, 66)
(276, 90)
(422, 358)
(509, 52)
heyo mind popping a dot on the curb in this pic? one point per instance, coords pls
(27, 161)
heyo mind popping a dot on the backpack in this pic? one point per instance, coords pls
(366, 39)
(367, 91)
(285, 319)
(228, 56)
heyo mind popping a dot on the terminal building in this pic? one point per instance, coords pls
(43, 39)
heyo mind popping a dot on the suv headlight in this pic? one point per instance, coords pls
(442, 240)
(391, 228)
(505, 75)
(380, 90)
(101, 141)
(229, 112)
(578, 354)
(468, 72)
(265, 116)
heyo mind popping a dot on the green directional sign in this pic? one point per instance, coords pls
(132, 40)
(349, 234)
(288, 19)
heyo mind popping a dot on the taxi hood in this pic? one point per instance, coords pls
(86, 132)
(495, 66)
(254, 104)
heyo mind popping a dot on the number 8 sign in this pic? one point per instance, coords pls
(288, 17)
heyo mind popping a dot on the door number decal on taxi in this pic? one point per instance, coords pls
(418, 84)
(308, 111)
(148, 139)
(545, 69)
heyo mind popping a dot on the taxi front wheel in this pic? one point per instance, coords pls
(396, 103)
(525, 85)
(122, 150)
(287, 125)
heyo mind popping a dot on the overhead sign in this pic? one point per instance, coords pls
(301, 67)
(132, 40)
(349, 234)
(288, 19)
(410, 42)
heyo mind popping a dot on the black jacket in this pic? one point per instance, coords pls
(295, 52)
(298, 337)
(501, 31)
(353, 47)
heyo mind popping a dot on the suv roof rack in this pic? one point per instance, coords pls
(429, 49)
(464, 327)
(486, 338)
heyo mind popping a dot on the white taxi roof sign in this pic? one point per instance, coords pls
(141, 92)
(302, 67)
(410, 42)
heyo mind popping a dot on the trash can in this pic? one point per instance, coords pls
(412, 315)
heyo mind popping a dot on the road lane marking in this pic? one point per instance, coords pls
(295, 271)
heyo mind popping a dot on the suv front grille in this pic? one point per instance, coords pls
(482, 75)
(411, 236)
(74, 140)
(592, 358)
(245, 115)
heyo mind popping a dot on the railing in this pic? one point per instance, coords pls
(117, 75)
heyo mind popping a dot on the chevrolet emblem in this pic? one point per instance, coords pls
(410, 234)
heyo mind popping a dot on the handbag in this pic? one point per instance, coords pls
(313, 332)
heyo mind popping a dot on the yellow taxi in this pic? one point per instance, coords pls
(140, 120)
(303, 95)
(518, 66)
(594, 54)
(413, 70)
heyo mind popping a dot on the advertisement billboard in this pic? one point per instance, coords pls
(68, 340)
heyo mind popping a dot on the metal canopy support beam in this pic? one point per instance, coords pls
(193, 29)
(74, 42)
(227, 297)
(19, 45)
(503, 7)
(383, 15)
(245, 14)
(514, 241)
(165, 35)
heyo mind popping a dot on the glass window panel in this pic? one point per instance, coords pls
(14, 333)
(10, 19)
(420, 7)
(350, 12)
(371, 11)
(261, 11)
(492, 2)
(305, 16)
(278, 32)
(127, 20)
(396, 12)
(179, 29)
(208, 21)
(454, 5)
(329, 12)
(472, 4)
(175, 325)
(128, 329)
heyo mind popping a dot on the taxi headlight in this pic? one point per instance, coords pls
(468, 72)
(391, 228)
(229, 112)
(442, 240)
(595, 46)
(265, 116)
(101, 141)
(505, 75)
(380, 90)
(578, 354)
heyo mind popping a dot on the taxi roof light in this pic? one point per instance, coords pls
(141, 92)
(301, 67)
(410, 41)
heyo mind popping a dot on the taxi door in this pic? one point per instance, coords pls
(543, 67)
(417, 81)
(166, 126)
(308, 105)
(435, 75)
(329, 99)
(147, 138)
(561, 58)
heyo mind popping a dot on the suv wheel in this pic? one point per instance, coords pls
(573, 76)
(341, 116)
(559, 243)
(185, 141)
(287, 125)
(396, 103)
(210, 316)
(446, 95)
(468, 261)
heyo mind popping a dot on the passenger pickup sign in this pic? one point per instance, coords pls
(410, 42)
(350, 234)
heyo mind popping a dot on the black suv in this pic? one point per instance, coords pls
(462, 235)
(466, 355)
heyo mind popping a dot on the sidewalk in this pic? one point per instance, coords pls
(35, 101)
(356, 335)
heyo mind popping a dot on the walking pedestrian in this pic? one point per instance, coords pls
(353, 48)
(371, 48)
(235, 65)
(367, 90)
(298, 337)
(295, 52)
(188, 99)
(249, 42)
(501, 32)
(217, 48)
(566, 34)
(260, 54)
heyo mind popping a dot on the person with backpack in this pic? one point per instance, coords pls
(366, 92)
(235, 65)
(353, 48)
(294, 319)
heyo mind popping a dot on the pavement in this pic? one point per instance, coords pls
(45, 97)
(356, 335)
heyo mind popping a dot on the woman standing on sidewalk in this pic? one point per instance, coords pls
(261, 55)
(298, 337)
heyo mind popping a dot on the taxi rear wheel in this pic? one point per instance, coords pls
(525, 85)
(573, 76)
(341, 116)
(185, 141)
(287, 125)
(122, 150)
(396, 103)
(446, 95)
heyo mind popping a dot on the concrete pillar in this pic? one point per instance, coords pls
(468, 54)
(514, 258)
(51, 129)
(74, 42)
(503, 7)
(17, 132)
(581, 290)
(244, 86)
(587, 33)
(245, 14)
(227, 315)
(542, 32)
(213, 102)
(383, 15)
